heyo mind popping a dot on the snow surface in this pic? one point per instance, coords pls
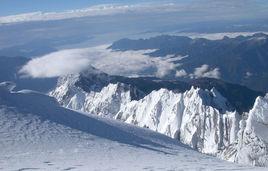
(37, 134)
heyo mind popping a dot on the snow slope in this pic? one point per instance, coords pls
(37, 134)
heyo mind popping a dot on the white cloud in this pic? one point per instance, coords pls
(200, 71)
(97, 10)
(215, 73)
(205, 71)
(248, 74)
(56, 64)
(128, 63)
(181, 73)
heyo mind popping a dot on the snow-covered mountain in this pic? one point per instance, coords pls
(189, 117)
(37, 134)
(251, 146)
(202, 119)
(91, 92)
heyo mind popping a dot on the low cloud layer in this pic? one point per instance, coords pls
(129, 63)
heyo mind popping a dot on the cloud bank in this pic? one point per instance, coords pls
(129, 63)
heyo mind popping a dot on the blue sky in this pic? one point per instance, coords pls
(11, 7)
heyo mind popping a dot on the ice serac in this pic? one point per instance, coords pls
(251, 146)
(194, 117)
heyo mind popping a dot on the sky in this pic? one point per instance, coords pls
(12, 7)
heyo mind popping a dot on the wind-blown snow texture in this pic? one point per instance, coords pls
(199, 118)
(37, 134)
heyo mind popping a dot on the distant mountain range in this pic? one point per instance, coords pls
(241, 60)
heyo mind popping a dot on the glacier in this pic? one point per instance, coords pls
(199, 118)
